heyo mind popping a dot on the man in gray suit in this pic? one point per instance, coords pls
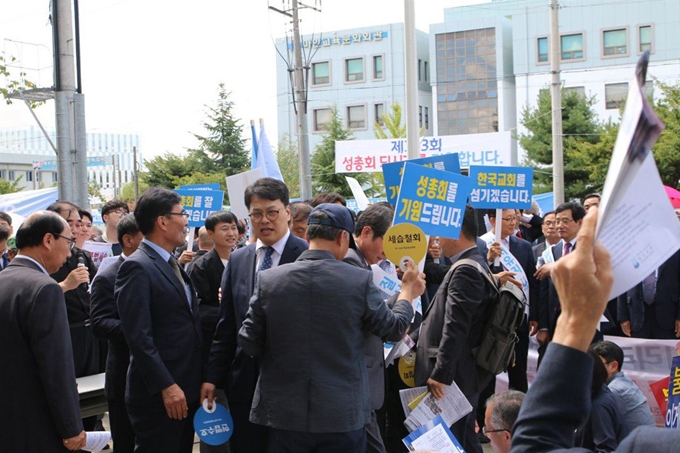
(370, 228)
(39, 397)
(312, 392)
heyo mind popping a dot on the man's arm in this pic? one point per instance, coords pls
(225, 340)
(252, 335)
(103, 309)
(199, 276)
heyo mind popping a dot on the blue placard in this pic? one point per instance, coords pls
(208, 186)
(501, 187)
(392, 172)
(673, 406)
(213, 428)
(434, 200)
(199, 204)
(432, 424)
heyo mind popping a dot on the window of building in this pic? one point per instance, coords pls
(542, 45)
(3, 174)
(572, 47)
(54, 176)
(615, 95)
(29, 175)
(321, 73)
(378, 110)
(649, 90)
(322, 119)
(615, 42)
(356, 117)
(378, 67)
(425, 70)
(427, 119)
(581, 91)
(420, 70)
(420, 116)
(354, 70)
(645, 38)
(10, 175)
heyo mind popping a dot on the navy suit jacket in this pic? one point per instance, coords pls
(163, 332)
(549, 303)
(106, 326)
(229, 367)
(631, 306)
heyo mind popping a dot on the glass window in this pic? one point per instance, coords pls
(2, 174)
(322, 119)
(542, 50)
(54, 176)
(420, 116)
(427, 119)
(378, 67)
(615, 95)
(645, 38)
(356, 117)
(425, 70)
(572, 47)
(581, 91)
(321, 73)
(379, 110)
(10, 175)
(615, 42)
(420, 64)
(354, 70)
(29, 175)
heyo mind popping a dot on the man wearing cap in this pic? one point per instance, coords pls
(312, 392)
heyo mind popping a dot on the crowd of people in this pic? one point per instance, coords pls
(285, 328)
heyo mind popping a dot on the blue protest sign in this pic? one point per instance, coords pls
(213, 427)
(501, 187)
(392, 172)
(673, 406)
(199, 204)
(208, 186)
(434, 200)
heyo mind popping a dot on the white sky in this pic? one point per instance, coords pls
(150, 67)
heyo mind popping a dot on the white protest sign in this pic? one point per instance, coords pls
(358, 193)
(236, 187)
(98, 251)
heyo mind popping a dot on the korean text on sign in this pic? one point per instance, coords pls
(434, 200)
(501, 187)
(199, 204)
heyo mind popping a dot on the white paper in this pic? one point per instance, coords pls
(96, 440)
(452, 407)
(99, 251)
(236, 187)
(398, 350)
(437, 440)
(358, 192)
(408, 395)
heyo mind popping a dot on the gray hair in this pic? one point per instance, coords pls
(505, 408)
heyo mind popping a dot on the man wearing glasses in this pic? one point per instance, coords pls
(158, 312)
(267, 201)
(112, 212)
(501, 413)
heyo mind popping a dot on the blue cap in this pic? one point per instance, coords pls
(338, 217)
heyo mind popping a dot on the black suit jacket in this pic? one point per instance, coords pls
(549, 302)
(631, 306)
(163, 332)
(39, 398)
(106, 326)
(229, 367)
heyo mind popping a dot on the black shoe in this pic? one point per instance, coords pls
(482, 438)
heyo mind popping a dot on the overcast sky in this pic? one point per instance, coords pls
(150, 67)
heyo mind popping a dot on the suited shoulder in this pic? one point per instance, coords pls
(521, 243)
(242, 253)
(296, 242)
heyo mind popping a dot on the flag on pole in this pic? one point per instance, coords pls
(253, 160)
(266, 159)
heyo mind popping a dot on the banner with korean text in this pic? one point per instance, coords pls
(434, 200)
(199, 204)
(501, 187)
(352, 156)
(392, 172)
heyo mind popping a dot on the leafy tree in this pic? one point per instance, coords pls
(9, 186)
(392, 124)
(324, 178)
(667, 148)
(127, 193)
(222, 150)
(580, 127)
(162, 170)
(13, 85)
(288, 158)
(94, 189)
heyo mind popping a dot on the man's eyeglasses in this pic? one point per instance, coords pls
(71, 241)
(549, 223)
(559, 222)
(271, 215)
(120, 212)
(509, 219)
(489, 431)
(184, 214)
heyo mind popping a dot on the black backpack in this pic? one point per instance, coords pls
(499, 337)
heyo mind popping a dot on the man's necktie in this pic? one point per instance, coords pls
(175, 268)
(5, 261)
(567, 248)
(649, 288)
(267, 260)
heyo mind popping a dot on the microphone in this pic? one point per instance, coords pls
(81, 263)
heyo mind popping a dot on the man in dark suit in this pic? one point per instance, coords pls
(559, 399)
(549, 234)
(106, 326)
(452, 327)
(313, 391)
(39, 396)
(369, 231)
(159, 316)
(652, 308)
(229, 367)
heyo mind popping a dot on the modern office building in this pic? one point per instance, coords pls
(360, 72)
(25, 153)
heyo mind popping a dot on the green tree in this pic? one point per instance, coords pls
(221, 150)
(13, 84)
(667, 148)
(163, 170)
(288, 158)
(392, 124)
(324, 178)
(94, 189)
(127, 193)
(9, 186)
(580, 127)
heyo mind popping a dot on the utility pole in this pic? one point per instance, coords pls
(300, 99)
(411, 70)
(556, 97)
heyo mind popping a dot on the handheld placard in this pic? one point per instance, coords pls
(405, 242)
(213, 426)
